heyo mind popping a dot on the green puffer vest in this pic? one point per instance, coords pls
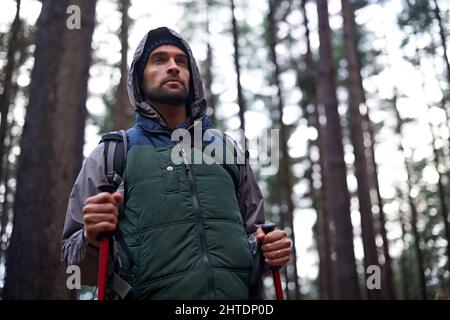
(184, 229)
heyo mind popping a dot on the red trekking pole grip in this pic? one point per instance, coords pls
(266, 228)
(104, 239)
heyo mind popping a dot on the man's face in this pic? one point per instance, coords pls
(166, 76)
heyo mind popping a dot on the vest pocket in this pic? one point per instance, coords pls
(146, 197)
(234, 254)
(128, 271)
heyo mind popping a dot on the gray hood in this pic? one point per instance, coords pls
(197, 108)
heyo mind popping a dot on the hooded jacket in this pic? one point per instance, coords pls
(75, 249)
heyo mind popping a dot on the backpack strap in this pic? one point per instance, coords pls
(115, 154)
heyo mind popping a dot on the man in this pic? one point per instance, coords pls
(190, 230)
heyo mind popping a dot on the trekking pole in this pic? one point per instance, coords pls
(269, 227)
(104, 239)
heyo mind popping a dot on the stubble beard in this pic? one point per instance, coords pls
(162, 95)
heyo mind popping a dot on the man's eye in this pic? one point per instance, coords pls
(158, 59)
(182, 62)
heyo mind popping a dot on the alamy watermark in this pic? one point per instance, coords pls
(212, 146)
(74, 279)
(373, 282)
(73, 22)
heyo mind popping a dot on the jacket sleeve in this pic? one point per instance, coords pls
(251, 203)
(75, 249)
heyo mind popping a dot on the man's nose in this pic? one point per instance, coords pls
(173, 67)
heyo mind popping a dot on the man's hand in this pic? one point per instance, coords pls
(100, 214)
(276, 247)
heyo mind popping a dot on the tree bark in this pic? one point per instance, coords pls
(5, 98)
(46, 166)
(418, 251)
(442, 35)
(390, 293)
(122, 111)
(318, 237)
(5, 214)
(241, 99)
(404, 258)
(285, 163)
(338, 200)
(328, 267)
(356, 99)
(211, 99)
(441, 194)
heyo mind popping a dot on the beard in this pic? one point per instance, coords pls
(163, 95)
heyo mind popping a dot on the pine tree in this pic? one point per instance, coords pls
(338, 200)
(47, 161)
(237, 66)
(307, 80)
(5, 98)
(122, 112)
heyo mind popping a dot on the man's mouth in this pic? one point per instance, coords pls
(171, 81)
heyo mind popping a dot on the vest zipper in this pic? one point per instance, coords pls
(200, 227)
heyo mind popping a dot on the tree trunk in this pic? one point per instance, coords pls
(338, 201)
(388, 272)
(318, 237)
(420, 263)
(311, 95)
(441, 188)
(5, 98)
(46, 165)
(208, 66)
(285, 163)
(332, 290)
(5, 206)
(356, 98)
(443, 37)
(8, 95)
(9, 170)
(442, 196)
(423, 286)
(404, 257)
(436, 160)
(5, 218)
(122, 111)
(241, 99)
